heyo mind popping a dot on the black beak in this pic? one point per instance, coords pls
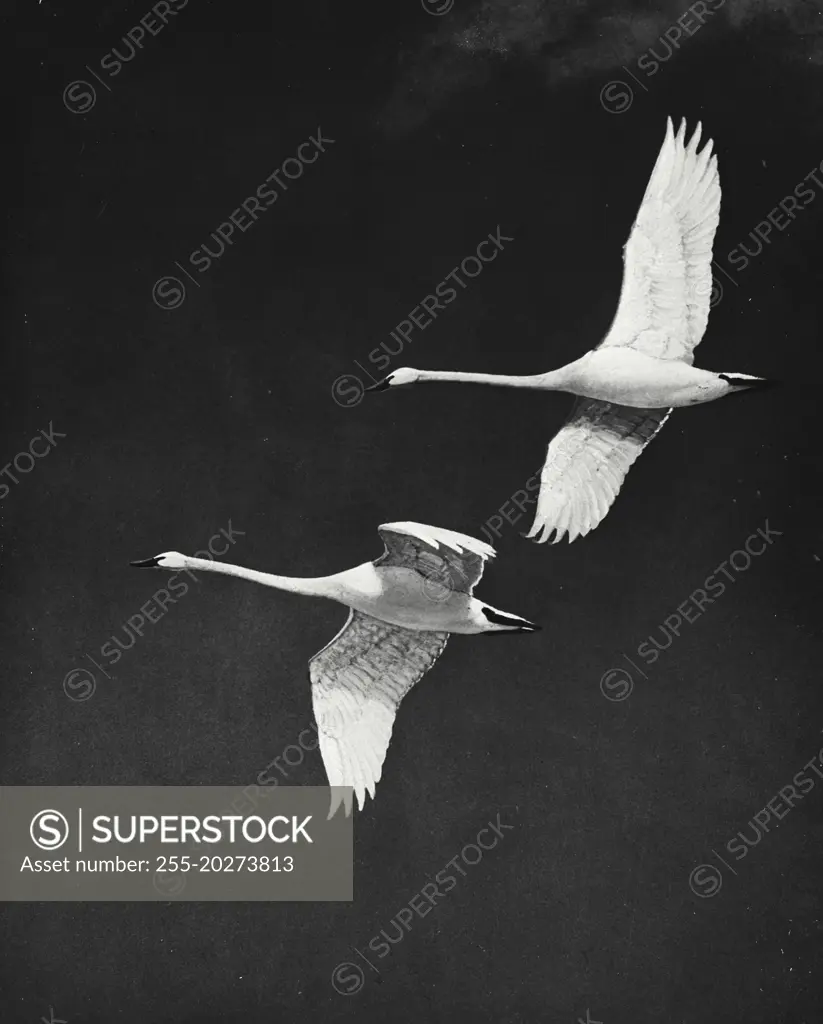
(531, 627)
(147, 563)
(517, 624)
(382, 385)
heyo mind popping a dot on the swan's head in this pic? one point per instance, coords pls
(166, 560)
(396, 379)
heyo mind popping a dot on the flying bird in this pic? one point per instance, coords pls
(402, 608)
(628, 385)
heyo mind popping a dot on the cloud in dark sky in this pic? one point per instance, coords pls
(572, 39)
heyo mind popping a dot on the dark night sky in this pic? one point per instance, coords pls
(180, 420)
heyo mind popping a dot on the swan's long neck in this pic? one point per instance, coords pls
(552, 381)
(319, 586)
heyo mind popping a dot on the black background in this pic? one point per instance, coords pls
(178, 421)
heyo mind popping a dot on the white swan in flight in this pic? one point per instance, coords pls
(402, 607)
(628, 384)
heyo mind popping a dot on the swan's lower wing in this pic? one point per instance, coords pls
(586, 463)
(358, 681)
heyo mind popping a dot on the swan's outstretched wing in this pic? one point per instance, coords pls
(667, 274)
(357, 683)
(586, 463)
(447, 560)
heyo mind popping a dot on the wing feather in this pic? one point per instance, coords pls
(586, 464)
(358, 681)
(667, 279)
(447, 560)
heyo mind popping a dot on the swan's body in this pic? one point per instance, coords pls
(620, 375)
(402, 608)
(642, 369)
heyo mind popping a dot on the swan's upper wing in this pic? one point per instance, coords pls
(357, 683)
(447, 560)
(586, 463)
(667, 276)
